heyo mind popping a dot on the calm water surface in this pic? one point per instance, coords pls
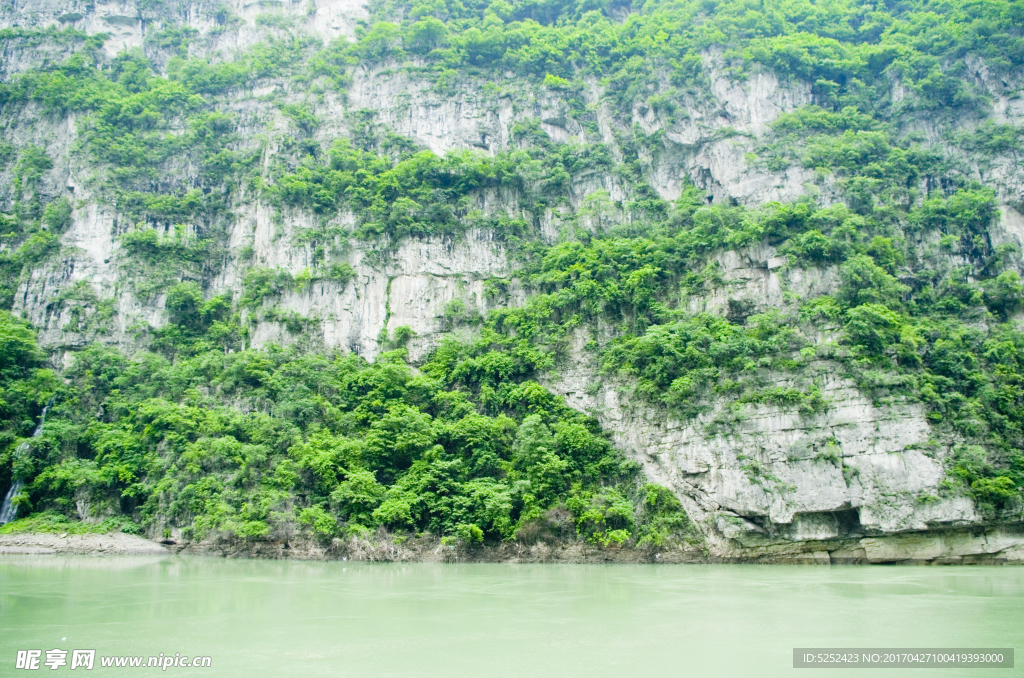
(260, 618)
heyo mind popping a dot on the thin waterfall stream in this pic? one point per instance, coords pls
(9, 511)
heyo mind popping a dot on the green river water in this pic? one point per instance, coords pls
(278, 618)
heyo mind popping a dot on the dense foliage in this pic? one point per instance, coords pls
(468, 449)
(199, 434)
(849, 51)
(25, 387)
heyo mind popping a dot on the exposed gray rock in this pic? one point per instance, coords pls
(857, 482)
(769, 480)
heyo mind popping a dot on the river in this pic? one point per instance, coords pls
(280, 618)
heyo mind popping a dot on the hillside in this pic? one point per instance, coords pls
(721, 280)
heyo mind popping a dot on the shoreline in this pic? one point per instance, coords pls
(996, 546)
(51, 543)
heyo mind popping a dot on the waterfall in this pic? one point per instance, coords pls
(9, 511)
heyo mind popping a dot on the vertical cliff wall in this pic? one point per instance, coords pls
(240, 173)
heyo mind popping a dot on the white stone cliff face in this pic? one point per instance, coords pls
(856, 471)
(353, 316)
(411, 287)
(764, 481)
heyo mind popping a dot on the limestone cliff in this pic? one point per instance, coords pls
(759, 479)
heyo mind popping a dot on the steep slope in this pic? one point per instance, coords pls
(773, 254)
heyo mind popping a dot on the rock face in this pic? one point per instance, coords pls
(997, 546)
(411, 288)
(759, 481)
(762, 478)
(418, 280)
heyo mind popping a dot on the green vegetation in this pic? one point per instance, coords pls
(848, 51)
(55, 522)
(194, 432)
(323, 440)
(420, 195)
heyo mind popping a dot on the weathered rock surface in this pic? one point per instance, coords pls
(1001, 545)
(767, 482)
(418, 280)
(857, 482)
